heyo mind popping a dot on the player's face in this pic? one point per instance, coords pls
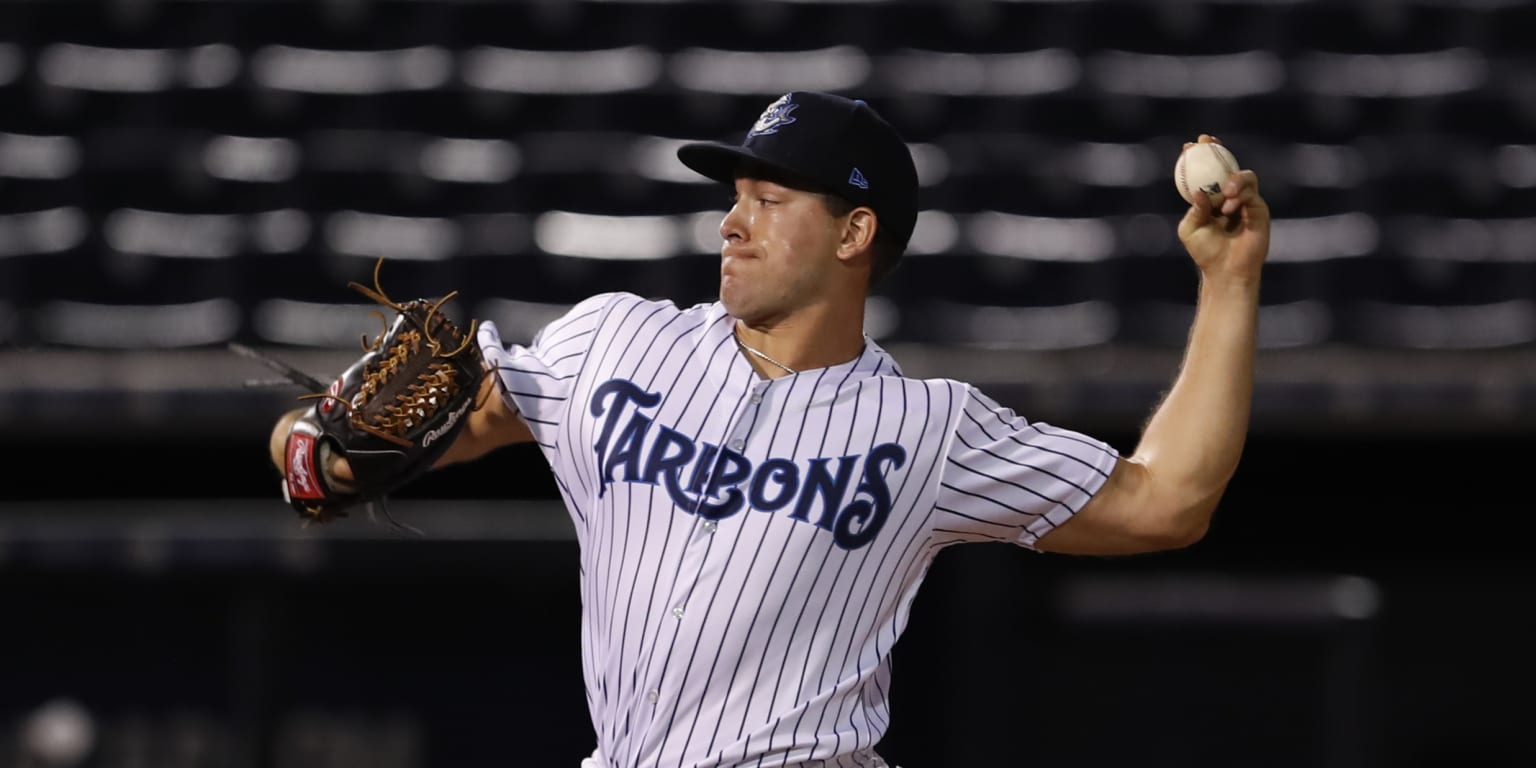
(779, 252)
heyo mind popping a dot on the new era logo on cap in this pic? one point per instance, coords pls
(857, 179)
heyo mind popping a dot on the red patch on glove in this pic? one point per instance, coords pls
(302, 480)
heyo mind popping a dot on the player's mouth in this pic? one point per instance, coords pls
(729, 251)
(731, 257)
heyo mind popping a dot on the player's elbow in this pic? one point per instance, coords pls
(1174, 515)
(1186, 534)
(1182, 525)
(1155, 533)
(1133, 513)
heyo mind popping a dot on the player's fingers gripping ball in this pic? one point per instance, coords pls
(391, 414)
(1201, 170)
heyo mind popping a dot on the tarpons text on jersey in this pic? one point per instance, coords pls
(716, 482)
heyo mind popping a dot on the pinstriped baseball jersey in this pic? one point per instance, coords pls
(750, 548)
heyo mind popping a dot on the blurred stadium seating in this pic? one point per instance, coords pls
(179, 174)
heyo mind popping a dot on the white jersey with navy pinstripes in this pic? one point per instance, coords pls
(750, 548)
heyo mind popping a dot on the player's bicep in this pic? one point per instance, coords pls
(1124, 517)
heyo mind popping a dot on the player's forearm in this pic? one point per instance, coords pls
(493, 425)
(477, 439)
(1191, 445)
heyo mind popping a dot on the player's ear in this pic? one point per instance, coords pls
(858, 233)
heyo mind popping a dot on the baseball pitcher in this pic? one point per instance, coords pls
(758, 490)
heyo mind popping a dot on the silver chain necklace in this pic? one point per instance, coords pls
(763, 355)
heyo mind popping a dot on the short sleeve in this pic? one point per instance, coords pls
(1007, 479)
(537, 379)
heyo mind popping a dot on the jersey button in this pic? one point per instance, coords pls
(652, 695)
(738, 444)
(756, 398)
(710, 526)
(677, 613)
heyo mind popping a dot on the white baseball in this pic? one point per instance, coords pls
(1203, 167)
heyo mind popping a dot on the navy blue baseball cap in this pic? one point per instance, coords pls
(838, 144)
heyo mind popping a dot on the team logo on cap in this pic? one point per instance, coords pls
(776, 116)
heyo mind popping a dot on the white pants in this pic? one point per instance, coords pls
(596, 761)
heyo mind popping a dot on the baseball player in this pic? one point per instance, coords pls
(757, 489)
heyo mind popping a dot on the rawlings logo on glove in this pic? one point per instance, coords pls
(453, 419)
(301, 472)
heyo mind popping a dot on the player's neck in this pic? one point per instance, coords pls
(814, 337)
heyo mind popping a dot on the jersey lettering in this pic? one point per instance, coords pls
(723, 482)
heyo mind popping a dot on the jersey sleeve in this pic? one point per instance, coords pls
(537, 379)
(1007, 479)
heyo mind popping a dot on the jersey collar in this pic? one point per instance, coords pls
(731, 369)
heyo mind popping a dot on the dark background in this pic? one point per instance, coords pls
(179, 174)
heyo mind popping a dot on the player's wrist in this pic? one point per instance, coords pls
(277, 442)
(1229, 284)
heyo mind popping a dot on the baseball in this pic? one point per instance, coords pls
(1203, 167)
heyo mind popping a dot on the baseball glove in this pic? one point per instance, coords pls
(391, 414)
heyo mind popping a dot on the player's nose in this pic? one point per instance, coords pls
(733, 226)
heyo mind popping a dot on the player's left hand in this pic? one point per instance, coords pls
(1231, 240)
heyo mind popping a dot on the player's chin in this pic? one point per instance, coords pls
(733, 295)
(738, 299)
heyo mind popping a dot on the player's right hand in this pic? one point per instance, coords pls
(1231, 241)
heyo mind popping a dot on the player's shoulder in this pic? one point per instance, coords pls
(626, 303)
(627, 299)
(627, 316)
(938, 388)
(937, 391)
(940, 399)
(949, 403)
